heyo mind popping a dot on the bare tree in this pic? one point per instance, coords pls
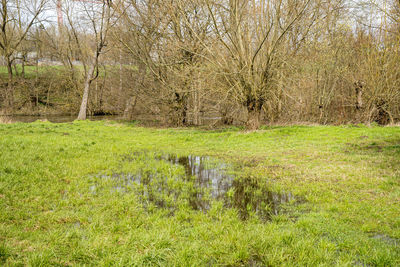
(16, 19)
(83, 39)
(99, 19)
(166, 38)
(253, 37)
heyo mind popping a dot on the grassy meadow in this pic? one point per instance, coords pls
(31, 71)
(57, 209)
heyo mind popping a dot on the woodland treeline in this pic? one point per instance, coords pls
(248, 62)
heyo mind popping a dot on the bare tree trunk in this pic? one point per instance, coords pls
(85, 97)
(129, 107)
(10, 87)
(180, 107)
(16, 70)
(254, 108)
(359, 103)
(23, 66)
(253, 119)
(96, 96)
(120, 72)
(359, 100)
(196, 101)
(226, 115)
(196, 119)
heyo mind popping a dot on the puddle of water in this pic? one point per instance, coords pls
(207, 176)
(387, 239)
(251, 197)
(204, 180)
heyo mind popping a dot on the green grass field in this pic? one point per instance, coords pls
(30, 71)
(57, 209)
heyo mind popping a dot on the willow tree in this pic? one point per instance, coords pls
(252, 39)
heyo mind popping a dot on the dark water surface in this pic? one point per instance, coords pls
(56, 118)
(152, 120)
(204, 181)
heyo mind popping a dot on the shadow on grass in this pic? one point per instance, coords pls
(386, 146)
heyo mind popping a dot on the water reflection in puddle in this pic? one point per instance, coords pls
(204, 181)
(213, 177)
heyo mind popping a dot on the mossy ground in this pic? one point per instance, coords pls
(349, 177)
